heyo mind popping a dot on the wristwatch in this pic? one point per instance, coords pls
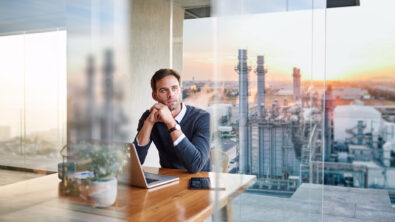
(174, 128)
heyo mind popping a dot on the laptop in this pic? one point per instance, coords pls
(135, 176)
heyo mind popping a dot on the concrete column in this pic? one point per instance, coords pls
(150, 47)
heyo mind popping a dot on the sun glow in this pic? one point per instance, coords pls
(334, 44)
(33, 86)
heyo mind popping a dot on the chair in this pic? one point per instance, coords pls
(223, 158)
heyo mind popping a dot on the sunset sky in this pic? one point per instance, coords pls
(341, 43)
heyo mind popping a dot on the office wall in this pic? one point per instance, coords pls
(150, 50)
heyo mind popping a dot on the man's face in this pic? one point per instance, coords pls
(168, 92)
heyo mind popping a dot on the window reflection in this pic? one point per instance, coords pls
(34, 100)
(306, 104)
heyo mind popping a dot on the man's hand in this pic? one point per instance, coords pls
(163, 113)
(153, 116)
(143, 137)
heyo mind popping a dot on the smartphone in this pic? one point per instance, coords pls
(199, 183)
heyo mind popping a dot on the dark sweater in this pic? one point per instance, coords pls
(192, 153)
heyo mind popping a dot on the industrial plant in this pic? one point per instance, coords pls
(275, 133)
(95, 116)
(304, 134)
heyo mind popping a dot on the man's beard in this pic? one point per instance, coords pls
(174, 106)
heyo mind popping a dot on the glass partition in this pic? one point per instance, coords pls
(300, 95)
(261, 75)
(360, 76)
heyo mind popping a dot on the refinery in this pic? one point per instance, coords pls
(305, 134)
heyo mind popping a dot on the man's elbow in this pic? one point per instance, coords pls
(193, 171)
(196, 167)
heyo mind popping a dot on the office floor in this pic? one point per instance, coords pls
(12, 176)
(314, 202)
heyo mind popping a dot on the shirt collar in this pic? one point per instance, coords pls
(181, 115)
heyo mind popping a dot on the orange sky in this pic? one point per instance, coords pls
(334, 44)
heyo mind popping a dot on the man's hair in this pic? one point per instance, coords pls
(162, 73)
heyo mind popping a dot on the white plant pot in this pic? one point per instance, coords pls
(103, 193)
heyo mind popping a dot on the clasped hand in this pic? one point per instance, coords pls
(160, 113)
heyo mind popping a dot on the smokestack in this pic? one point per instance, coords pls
(90, 95)
(328, 122)
(243, 71)
(260, 71)
(296, 84)
(107, 122)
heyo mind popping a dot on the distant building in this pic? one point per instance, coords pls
(385, 88)
(296, 84)
(284, 92)
(387, 112)
(342, 157)
(389, 154)
(350, 93)
(360, 152)
(347, 117)
(220, 113)
(375, 177)
(387, 130)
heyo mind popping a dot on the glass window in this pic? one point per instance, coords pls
(33, 101)
(301, 95)
(264, 61)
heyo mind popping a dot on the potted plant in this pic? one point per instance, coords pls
(101, 163)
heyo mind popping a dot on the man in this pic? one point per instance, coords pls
(180, 132)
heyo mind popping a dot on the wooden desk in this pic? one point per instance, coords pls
(39, 200)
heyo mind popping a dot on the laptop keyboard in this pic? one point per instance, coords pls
(150, 180)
